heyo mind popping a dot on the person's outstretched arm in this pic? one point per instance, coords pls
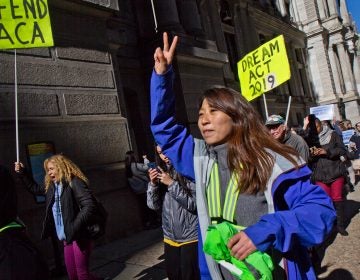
(25, 179)
(174, 139)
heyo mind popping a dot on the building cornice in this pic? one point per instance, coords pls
(271, 24)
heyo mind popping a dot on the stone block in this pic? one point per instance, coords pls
(29, 104)
(81, 54)
(34, 52)
(51, 74)
(91, 104)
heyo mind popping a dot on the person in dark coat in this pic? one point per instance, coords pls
(19, 258)
(70, 209)
(328, 169)
(354, 144)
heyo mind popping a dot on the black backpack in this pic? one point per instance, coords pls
(98, 225)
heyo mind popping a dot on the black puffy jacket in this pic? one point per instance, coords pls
(73, 198)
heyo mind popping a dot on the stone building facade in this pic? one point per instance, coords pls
(332, 53)
(72, 95)
(89, 94)
(214, 36)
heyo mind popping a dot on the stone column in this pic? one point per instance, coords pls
(323, 12)
(335, 71)
(319, 69)
(216, 26)
(332, 7)
(167, 15)
(245, 31)
(356, 66)
(294, 13)
(189, 16)
(346, 68)
(281, 7)
(296, 86)
(356, 69)
(344, 12)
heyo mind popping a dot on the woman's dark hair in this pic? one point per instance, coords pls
(311, 135)
(248, 156)
(170, 169)
(329, 124)
(129, 158)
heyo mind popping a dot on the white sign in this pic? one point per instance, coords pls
(323, 113)
(346, 134)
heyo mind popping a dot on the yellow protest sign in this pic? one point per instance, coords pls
(264, 68)
(25, 24)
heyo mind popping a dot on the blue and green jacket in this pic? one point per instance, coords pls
(300, 214)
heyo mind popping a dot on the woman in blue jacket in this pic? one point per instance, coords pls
(242, 175)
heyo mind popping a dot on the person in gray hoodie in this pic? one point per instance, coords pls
(176, 196)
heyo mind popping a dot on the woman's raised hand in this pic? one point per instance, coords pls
(163, 57)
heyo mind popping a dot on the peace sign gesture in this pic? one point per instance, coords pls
(163, 58)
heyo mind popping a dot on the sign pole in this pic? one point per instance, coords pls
(154, 15)
(16, 110)
(288, 110)
(265, 106)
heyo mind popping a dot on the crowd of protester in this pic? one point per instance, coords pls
(249, 199)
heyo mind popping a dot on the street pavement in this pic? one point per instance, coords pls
(342, 257)
(141, 255)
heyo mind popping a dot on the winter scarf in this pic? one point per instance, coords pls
(325, 135)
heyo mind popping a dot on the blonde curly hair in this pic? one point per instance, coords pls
(66, 170)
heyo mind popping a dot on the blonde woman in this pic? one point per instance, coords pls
(66, 190)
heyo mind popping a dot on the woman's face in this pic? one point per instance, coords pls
(319, 127)
(52, 171)
(163, 157)
(215, 126)
(357, 127)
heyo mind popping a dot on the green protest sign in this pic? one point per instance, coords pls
(264, 68)
(25, 24)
